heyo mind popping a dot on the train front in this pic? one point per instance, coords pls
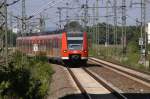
(74, 47)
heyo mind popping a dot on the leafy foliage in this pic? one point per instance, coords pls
(113, 52)
(11, 37)
(133, 33)
(25, 80)
(73, 26)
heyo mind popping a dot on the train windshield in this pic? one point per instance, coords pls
(75, 34)
(75, 44)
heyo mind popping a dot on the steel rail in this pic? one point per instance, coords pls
(122, 65)
(115, 91)
(83, 91)
(125, 72)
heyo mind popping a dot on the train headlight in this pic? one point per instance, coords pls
(65, 51)
(85, 51)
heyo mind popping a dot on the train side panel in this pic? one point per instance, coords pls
(64, 47)
(85, 47)
(49, 45)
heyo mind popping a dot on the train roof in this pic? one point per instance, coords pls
(47, 35)
(43, 33)
(40, 37)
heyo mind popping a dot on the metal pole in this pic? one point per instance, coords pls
(11, 26)
(93, 36)
(144, 26)
(107, 24)
(94, 29)
(115, 28)
(143, 33)
(97, 27)
(67, 15)
(18, 26)
(42, 22)
(85, 14)
(6, 34)
(23, 24)
(115, 22)
(2, 21)
(59, 12)
(124, 41)
(23, 17)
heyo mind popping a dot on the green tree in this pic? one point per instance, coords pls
(73, 26)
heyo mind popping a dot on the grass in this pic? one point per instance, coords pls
(114, 54)
(25, 80)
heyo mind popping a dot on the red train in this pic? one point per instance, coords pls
(71, 46)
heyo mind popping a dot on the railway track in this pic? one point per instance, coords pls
(136, 75)
(92, 86)
(131, 84)
(83, 91)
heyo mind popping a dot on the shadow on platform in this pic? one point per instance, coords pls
(78, 65)
(73, 64)
(108, 96)
(137, 95)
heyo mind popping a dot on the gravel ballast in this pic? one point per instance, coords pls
(62, 85)
(125, 84)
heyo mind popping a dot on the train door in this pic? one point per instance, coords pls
(51, 47)
(59, 47)
(54, 48)
(47, 46)
(35, 48)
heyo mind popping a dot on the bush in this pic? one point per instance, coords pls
(41, 72)
(26, 80)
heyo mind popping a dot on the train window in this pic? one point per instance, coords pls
(75, 41)
(42, 48)
(51, 42)
(75, 44)
(79, 34)
(56, 43)
(38, 41)
(46, 43)
(75, 47)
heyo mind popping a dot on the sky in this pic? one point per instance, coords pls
(34, 6)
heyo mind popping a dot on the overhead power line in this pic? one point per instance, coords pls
(43, 8)
(14, 2)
